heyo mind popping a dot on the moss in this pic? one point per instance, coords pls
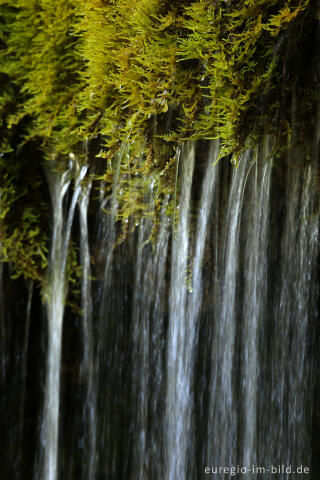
(140, 78)
(24, 215)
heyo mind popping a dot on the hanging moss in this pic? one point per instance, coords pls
(140, 78)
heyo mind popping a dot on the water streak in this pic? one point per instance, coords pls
(294, 312)
(255, 295)
(148, 347)
(56, 294)
(88, 368)
(178, 402)
(223, 411)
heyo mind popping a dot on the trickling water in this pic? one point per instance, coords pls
(55, 303)
(194, 301)
(106, 239)
(295, 309)
(223, 411)
(148, 348)
(88, 368)
(210, 185)
(254, 295)
(158, 289)
(178, 410)
(141, 352)
(109, 360)
(56, 294)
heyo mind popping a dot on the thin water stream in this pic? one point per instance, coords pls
(55, 297)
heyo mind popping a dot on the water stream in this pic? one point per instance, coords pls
(55, 296)
(88, 367)
(179, 343)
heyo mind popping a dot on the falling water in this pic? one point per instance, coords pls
(88, 370)
(254, 294)
(223, 412)
(110, 224)
(294, 312)
(109, 360)
(55, 295)
(198, 348)
(141, 352)
(158, 313)
(179, 348)
(148, 346)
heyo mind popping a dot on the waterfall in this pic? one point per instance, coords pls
(186, 329)
(197, 342)
(55, 295)
(179, 347)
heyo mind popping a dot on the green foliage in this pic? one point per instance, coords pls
(40, 78)
(41, 59)
(23, 236)
(208, 62)
(237, 45)
(139, 78)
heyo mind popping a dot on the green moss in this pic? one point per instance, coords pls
(140, 78)
(23, 224)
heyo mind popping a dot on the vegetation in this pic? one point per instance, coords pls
(139, 79)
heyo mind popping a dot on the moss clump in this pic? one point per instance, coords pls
(139, 78)
(204, 64)
(40, 58)
(24, 215)
(40, 78)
